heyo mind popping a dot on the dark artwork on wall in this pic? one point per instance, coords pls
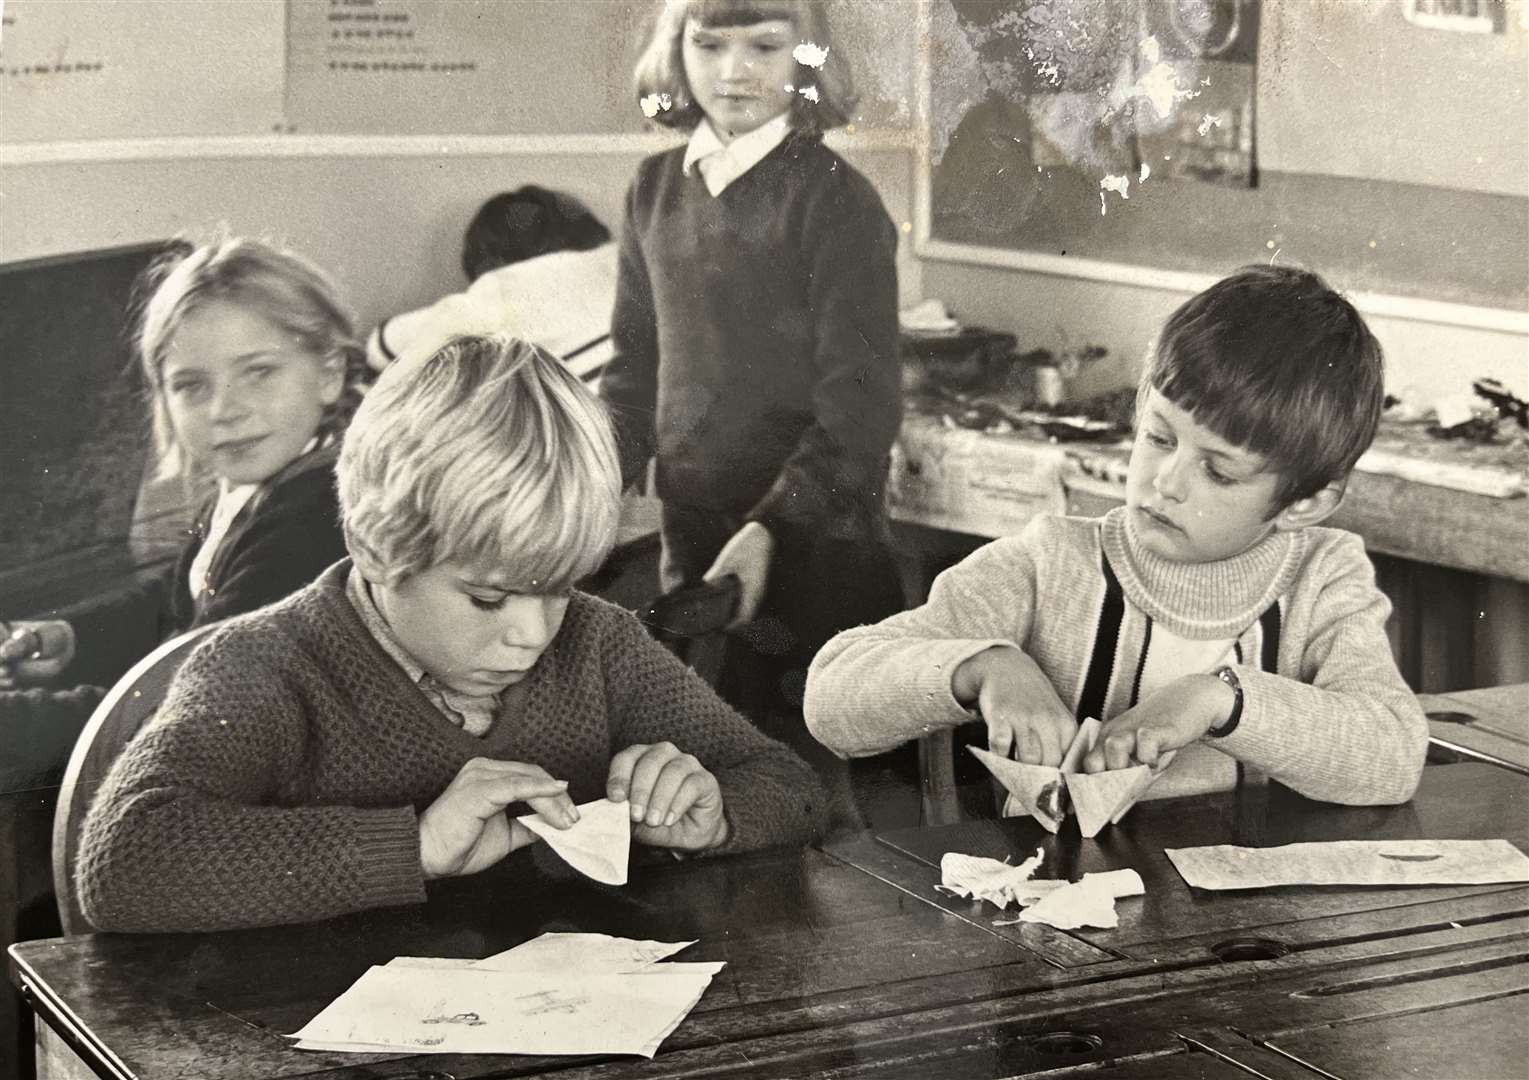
(1124, 132)
(73, 430)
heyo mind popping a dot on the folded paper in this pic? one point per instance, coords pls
(1026, 785)
(1353, 862)
(1047, 793)
(597, 845)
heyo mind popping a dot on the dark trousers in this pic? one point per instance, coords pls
(817, 587)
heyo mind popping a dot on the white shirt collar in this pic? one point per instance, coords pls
(722, 163)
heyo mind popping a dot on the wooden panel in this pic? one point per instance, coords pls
(1490, 724)
(1484, 1040)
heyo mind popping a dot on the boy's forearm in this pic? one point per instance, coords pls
(1363, 744)
(870, 691)
(193, 864)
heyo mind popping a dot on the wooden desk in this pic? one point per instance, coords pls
(992, 485)
(851, 966)
(1490, 724)
(810, 943)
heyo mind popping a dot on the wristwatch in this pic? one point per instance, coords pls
(1229, 725)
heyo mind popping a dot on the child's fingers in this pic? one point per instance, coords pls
(698, 789)
(645, 774)
(1000, 738)
(520, 836)
(558, 810)
(491, 795)
(1051, 746)
(1148, 747)
(1119, 747)
(1028, 747)
(666, 789)
(618, 778)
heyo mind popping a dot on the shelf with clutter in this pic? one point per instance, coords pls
(994, 435)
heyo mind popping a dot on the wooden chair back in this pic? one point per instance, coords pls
(123, 711)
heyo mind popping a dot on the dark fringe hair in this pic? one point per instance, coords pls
(1274, 360)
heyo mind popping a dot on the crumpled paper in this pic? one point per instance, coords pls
(1062, 904)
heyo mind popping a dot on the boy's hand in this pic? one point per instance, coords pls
(1175, 716)
(1025, 718)
(34, 652)
(466, 830)
(675, 802)
(747, 555)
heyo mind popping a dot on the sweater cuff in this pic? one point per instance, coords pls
(1254, 738)
(387, 853)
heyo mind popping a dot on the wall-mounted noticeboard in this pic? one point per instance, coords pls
(1394, 158)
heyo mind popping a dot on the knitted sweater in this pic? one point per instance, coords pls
(756, 340)
(1325, 711)
(282, 779)
(283, 538)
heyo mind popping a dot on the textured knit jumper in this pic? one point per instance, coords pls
(756, 338)
(284, 537)
(282, 779)
(1325, 711)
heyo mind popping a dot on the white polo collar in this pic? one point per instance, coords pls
(722, 163)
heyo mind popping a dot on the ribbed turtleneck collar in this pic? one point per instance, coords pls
(1198, 600)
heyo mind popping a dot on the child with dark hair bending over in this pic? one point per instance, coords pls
(1211, 615)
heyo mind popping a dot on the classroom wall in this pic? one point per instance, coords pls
(387, 226)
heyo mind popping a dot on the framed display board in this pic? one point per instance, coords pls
(1188, 137)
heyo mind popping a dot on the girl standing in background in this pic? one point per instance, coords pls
(755, 328)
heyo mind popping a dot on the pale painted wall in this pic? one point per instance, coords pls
(388, 227)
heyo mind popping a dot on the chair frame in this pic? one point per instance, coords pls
(110, 728)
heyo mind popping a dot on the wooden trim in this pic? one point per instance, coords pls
(212, 148)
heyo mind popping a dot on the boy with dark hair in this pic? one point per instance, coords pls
(1211, 615)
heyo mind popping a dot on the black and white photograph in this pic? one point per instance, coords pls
(928, 539)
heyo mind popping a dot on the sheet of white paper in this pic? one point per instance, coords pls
(978, 878)
(597, 845)
(438, 963)
(1353, 862)
(588, 953)
(472, 1011)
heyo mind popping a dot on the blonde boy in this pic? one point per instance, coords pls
(335, 751)
(1210, 615)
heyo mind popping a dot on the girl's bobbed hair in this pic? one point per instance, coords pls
(275, 283)
(825, 96)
